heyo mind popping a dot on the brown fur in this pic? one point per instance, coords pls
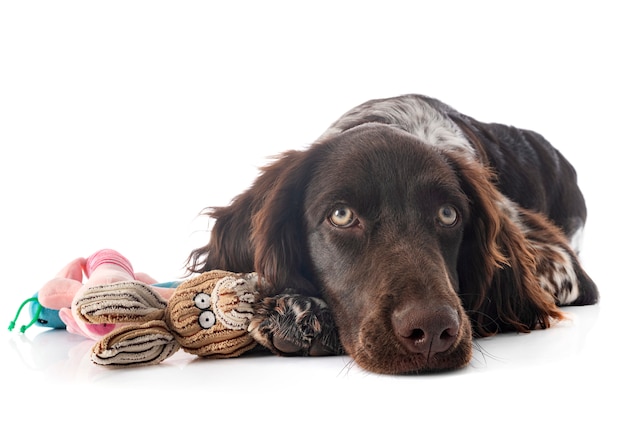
(406, 292)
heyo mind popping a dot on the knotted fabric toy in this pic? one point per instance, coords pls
(137, 321)
(207, 316)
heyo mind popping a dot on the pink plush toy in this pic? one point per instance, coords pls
(103, 267)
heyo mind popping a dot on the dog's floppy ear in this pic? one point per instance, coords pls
(278, 229)
(261, 230)
(231, 246)
(497, 262)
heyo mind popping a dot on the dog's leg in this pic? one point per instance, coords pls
(295, 325)
(557, 267)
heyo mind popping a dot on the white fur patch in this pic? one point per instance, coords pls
(560, 280)
(412, 114)
(576, 240)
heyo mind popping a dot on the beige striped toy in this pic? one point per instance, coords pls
(207, 315)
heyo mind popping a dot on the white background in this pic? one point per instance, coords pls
(121, 120)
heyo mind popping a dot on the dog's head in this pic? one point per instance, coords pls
(406, 242)
(385, 217)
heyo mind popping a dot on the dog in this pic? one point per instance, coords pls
(406, 230)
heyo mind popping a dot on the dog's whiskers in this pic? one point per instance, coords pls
(485, 355)
(347, 367)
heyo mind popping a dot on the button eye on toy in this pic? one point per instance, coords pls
(206, 319)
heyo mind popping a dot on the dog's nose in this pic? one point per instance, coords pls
(426, 330)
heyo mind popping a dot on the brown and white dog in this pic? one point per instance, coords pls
(420, 227)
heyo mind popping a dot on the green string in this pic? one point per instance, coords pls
(23, 328)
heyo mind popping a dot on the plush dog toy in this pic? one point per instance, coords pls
(53, 306)
(136, 321)
(207, 315)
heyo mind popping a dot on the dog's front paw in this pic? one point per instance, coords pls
(295, 325)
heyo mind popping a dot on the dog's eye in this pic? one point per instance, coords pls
(342, 217)
(447, 215)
